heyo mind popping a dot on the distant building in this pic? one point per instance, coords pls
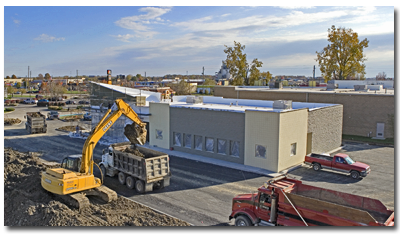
(223, 73)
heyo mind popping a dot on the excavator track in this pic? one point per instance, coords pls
(104, 193)
(77, 200)
(80, 200)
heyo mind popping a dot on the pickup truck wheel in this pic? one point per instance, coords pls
(121, 178)
(242, 221)
(355, 174)
(130, 182)
(139, 186)
(316, 166)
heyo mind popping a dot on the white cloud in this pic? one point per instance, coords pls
(138, 23)
(17, 22)
(225, 15)
(296, 7)
(47, 38)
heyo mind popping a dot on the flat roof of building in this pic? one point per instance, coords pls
(317, 90)
(241, 105)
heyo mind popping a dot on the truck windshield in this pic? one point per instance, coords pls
(349, 160)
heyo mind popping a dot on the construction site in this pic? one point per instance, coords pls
(155, 155)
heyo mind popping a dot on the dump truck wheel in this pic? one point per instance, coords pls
(316, 166)
(355, 174)
(121, 178)
(243, 220)
(130, 182)
(139, 186)
(103, 171)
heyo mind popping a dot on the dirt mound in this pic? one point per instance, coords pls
(35, 115)
(11, 121)
(133, 150)
(28, 204)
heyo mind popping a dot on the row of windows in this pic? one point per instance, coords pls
(261, 151)
(211, 145)
(185, 140)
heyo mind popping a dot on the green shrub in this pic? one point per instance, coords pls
(79, 107)
(8, 109)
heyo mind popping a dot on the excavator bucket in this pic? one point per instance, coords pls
(136, 133)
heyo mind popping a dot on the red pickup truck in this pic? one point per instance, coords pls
(340, 162)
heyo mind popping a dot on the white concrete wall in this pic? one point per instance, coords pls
(159, 120)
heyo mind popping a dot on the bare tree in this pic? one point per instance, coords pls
(381, 76)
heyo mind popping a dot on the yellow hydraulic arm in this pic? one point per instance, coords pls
(103, 126)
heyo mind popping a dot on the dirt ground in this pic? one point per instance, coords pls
(28, 204)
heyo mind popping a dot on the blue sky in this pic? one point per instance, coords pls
(177, 40)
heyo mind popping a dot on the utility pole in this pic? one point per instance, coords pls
(203, 73)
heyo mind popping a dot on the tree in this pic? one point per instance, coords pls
(13, 77)
(129, 77)
(236, 61)
(139, 77)
(267, 75)
(181, 88)
(381, 76)
(40, 76)
(343, 58)
(209, 82)
(8, 77)
(18, 85)
(47, 76)
(23, 91)
(10, 90)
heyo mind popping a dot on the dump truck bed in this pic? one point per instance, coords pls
(146, 164)
(348, 206)
(35, 122)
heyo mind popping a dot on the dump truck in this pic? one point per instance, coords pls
(137, 167)
(35, 122)
(283, 201)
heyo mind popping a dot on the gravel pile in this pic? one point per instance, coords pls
(11, 121)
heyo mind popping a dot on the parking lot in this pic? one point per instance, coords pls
(379, 184)
(211, 184)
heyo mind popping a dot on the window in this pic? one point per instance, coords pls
(159, 134)
(221, 148)
(234, 148)
(188, 140)
(209, 144)
(261, 151)
(177, 139)
(293, 149)
(198, 143)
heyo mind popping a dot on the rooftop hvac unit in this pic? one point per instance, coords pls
(282, 104)
(194, 99)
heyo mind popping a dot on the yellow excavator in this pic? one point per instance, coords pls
(75, 179)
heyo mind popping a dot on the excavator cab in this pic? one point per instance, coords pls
(72, 162)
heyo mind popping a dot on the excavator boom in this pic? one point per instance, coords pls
(63, 181)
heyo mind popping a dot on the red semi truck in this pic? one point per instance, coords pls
(282, 201)
(339, 162)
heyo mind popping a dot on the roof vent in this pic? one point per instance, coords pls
(282, 104)
(194, 99)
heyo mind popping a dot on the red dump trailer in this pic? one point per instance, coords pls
(282, 201)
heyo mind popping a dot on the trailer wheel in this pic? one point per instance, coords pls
(139, 186)
(316, 166)
(130, 182)
(355, 174)
(243, 220)
(121, 177)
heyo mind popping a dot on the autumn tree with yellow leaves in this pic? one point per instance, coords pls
(344, 57)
